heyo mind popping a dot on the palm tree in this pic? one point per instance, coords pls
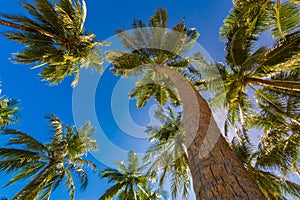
(216, 171)
(263, 68)
(54, 37)
(129, 180)
(49, 164)
(261, 164)
(167, 154)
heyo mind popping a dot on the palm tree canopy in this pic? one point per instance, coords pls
(151, 45)
(256, 67)
(54, 37)
(130, 181)
(48, 164)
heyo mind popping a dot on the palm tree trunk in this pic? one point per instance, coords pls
(17, 196)
(217, 172)
(285, 85)
(26, 29)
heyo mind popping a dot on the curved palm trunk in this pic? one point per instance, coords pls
(217, 172)
(285, 85)
(26, 29)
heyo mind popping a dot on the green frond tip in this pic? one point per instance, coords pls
(160, 18)
(286, 19)
(8, 111)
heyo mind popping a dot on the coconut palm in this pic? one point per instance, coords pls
(48, 164)
(54, 38)
(129, 180)
(167, 153)
(216, 171)
(261, 164)
(252, 66)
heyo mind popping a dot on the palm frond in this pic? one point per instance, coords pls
(286, 19)
(8, 111)
(54, 39)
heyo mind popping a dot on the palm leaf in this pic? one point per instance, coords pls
(286, 19)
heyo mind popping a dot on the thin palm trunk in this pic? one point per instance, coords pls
(17, 196)
(285, 85)
(217, 172)
(26, 29)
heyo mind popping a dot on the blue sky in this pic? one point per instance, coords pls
(38, 99)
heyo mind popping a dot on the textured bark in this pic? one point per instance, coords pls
(285, 85)
(217, 172)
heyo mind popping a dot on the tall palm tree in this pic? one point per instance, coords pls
(167, 154)
(54, 37)
(129, 180)
(255, 67)
(216, 171)
(48, 164)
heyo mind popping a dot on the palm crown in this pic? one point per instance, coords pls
(269, 72)
(149, 46)
(51, 163)
(130, 181)
(54, 37)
